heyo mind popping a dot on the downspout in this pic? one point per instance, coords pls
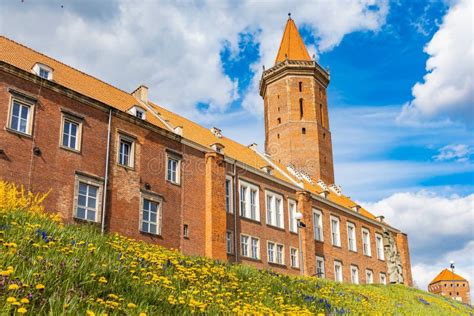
(235, 210)
(106, 177)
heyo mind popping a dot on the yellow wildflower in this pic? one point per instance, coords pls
(90, 313)
(142, 314)
(131, 305)
(102, 280)
(11, 300)
(24, 300)
(39, 286)
(22, 310)
(13, 287)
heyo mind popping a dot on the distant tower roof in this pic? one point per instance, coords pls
(447, 275)
(292, 45)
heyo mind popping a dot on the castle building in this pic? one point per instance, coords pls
(449, 284)
(118, 160)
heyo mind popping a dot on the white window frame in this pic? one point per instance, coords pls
(292, 210)
(369, 276)
(335, 236)
(318, 227)
(29, 119)
(379, 246)
(294, 257)
(320, 267)
(271, 252)
(73, 120)
(354, 277)
(90, 182)
(338, 277)
(275, 253)
(177, 172)
(366, 248)
(246, 201)
(383, 278)
(250, 249)
(37, 70)
(245, 246)
(229, 196)
(131, 155)
(229, 239)
(159, 211)
(351, 246)
(274, 214)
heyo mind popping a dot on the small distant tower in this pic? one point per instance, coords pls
(449, 284)
(296, 113)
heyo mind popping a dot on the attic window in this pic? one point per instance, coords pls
(43, 71)
(139, 113)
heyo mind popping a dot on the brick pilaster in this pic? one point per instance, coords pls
(402, 246)
(215, 218)
(307, 233)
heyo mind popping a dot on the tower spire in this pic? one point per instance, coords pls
(292, 45)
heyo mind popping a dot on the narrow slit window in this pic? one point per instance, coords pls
(301, 109)
(300, 86)
(303, 131)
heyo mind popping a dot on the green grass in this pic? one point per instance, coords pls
(85, 272)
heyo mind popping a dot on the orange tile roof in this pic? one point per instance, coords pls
(447, 275)
(292, 45)
(25, 58)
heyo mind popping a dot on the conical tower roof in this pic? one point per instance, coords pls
(292, 45)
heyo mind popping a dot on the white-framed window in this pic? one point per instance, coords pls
(275, 253)
(293, 223)
(150, 214)
(383, 278)
(249, 201)
(369, 276)
(71, 132)
(173, 168)
(229, 241)
(351, 237)
(229, 201)
(21, 117)
(43, 71)
(140, 113)
(250, 247)
(335, 231)
(126, 150)
(354, 274)
(379, 246)
(318, 224)
(274, 209)
(270, 251)
(186, 231)
(88, 199)
(366, 242)
(338, 271)
(294, 257)
(320, 272)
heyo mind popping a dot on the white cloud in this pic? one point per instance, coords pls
(448, 87)
(439, 228)
(459, 153)
(174, 47)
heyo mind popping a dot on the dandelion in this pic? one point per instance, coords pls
(13, 287)
(39, 286)
(142, 314)
(22, 310)
(102, 280)
(90, 313)
(24, 300)
(131, 305)
(11, 300)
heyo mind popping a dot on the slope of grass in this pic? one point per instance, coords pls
(50, 268)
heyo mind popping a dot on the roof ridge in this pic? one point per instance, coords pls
(62, 63)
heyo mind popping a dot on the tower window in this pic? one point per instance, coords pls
(278, 136)
(321, 114)
(301, 109)
(300, 85)
(303, 131)
(279, 120)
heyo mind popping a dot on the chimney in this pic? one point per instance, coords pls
(217, 132)
(141, 93)
(356, 208)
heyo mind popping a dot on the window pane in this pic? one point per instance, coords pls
(92, 191)
(24, 112)
(81, 200)
(91, 203)
(153, 206)
(153, 217)
(91, 215)
(145, 227)
(153, 228)
(146, 216)
(82, 188)
(81, 213)
(16, 109)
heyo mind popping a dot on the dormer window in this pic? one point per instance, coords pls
(140, 114)
(43, 71)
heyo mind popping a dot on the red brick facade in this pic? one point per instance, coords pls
(191, 208)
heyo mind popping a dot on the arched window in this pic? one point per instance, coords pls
(301, 109)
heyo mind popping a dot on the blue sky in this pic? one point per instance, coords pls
(400, 98)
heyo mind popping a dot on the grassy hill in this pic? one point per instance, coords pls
(50, 268)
